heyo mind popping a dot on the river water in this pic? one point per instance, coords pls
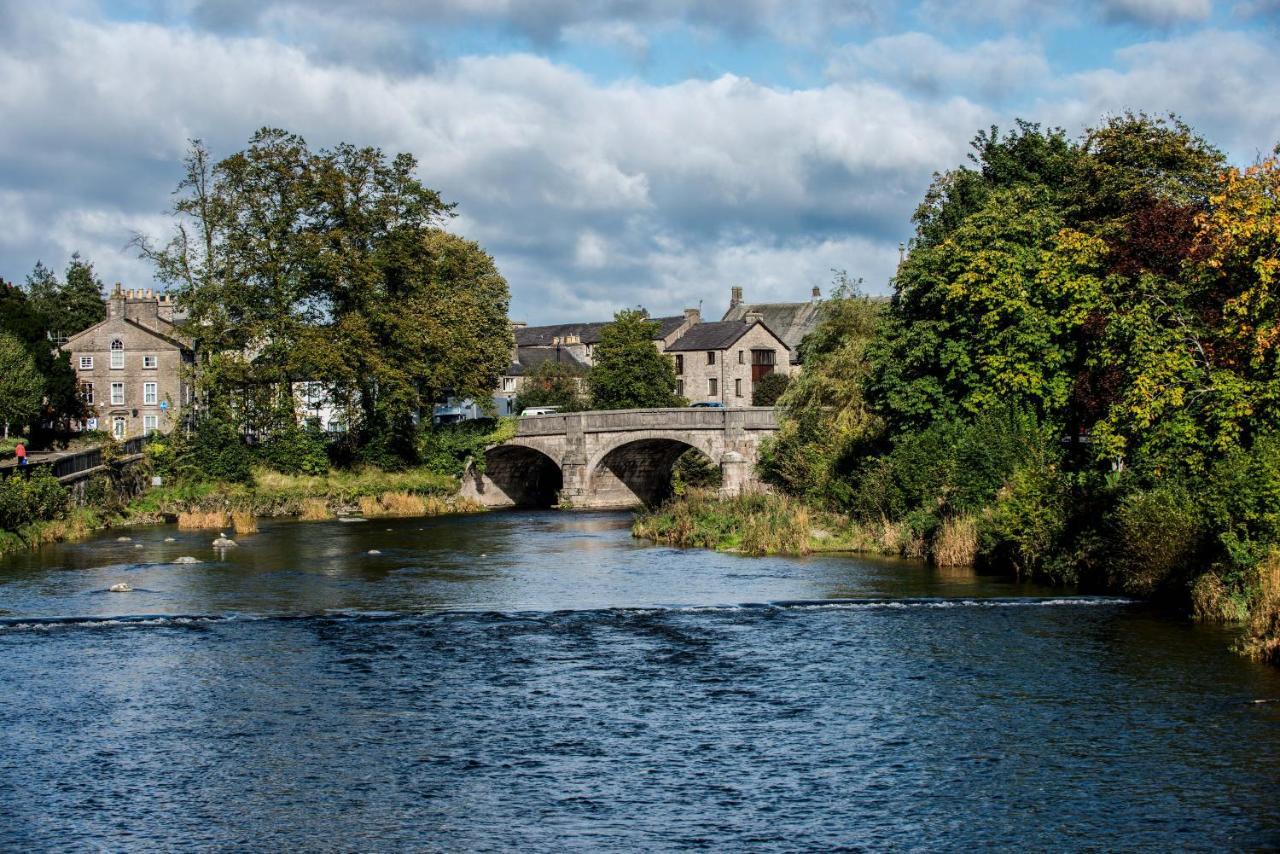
(541, 681)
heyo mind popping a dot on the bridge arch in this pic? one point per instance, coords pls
(516, 475)
(638, 470)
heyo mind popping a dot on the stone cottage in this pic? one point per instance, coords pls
(791, 321)
(130, 367)
(720, 362)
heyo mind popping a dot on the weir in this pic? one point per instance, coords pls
(618, 458)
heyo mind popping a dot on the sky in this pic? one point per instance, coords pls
(608, 154)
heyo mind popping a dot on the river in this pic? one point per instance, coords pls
(541, 681)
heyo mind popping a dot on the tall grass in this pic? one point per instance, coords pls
(200, 519)
(244, 522)
(1263, 640)
(956, 542)
(315, 510)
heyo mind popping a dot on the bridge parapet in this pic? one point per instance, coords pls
(621, 420)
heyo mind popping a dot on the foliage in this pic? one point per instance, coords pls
(1158, 536)
(1026, 524)
(297, 450)
(692, 470)
(629, 372)
(20, 385)
(215, 451)
(828, 424)
(553, 384)
(449, 449)
(769, 388)
(330, 266)
(26, 499)
(69, 306)
(61, 401)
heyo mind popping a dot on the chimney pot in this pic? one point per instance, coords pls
(692, 315)
(817, 292)
(735, 296)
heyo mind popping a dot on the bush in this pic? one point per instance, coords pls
(1242, 504)
(1158, 535)
(1027, 521)
(297, 450)
(450, 448)
(215, 451)
(694, 471)
(36, 498)
(767, 389)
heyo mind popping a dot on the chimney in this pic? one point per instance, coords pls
(735, 296)
(753, 316)
(817, 293)
(692, 316)
(115, 303)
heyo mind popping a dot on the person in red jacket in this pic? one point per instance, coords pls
(21, 453)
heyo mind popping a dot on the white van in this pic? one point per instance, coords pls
(540, 410)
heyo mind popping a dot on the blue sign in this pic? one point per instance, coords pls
(164, 404)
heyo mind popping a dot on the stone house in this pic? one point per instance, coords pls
(130, 366)
(791, 321)
(572, 344)
(720, 362)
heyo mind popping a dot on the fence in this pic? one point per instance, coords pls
(69, 465)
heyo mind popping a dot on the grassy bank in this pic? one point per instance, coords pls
(368, 492)
(768, 523)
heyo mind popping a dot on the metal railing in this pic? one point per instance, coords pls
(68, 465)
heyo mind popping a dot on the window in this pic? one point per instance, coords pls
(86, 363)
(117, 354)
(762, 363)
(711, 357)
(508, 383)
(680, 388)
(712, 388)
(679, 365)
(148, 424)
(86, 393)
(149, 362)
(737, 388)
(742, 357)
(117, 427)
(149, 394)
(117, 394)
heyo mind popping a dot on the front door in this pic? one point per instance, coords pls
(762, 362)
(117, 427)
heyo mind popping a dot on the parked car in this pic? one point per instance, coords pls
(707, 404)
(540, 410)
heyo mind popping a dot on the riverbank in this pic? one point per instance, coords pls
(366, 492)
(773, 524)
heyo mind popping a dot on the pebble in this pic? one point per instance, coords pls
(137, 545)
(119, 588)
(223, 543)
(374, 552)
(124, 539)
(170, 540)
(187, 559)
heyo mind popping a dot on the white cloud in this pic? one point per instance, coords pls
(97, 116)
(992, 70)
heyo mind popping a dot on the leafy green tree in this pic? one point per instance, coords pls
(28, 324)
(629, 372)
(21, 386)
(329, 266)
(553, 384)
(79, 302)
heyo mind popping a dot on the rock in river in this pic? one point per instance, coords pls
(119, 588)
(186, 559)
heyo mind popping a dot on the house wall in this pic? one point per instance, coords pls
(167, 373)
(728, 372)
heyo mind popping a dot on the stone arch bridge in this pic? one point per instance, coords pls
(619, 458)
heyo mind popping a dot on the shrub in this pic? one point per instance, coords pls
(956, 542)
(34, 498)
(767, 389)
(1242, 504)
(450, 448)
(297, 450)
(1158, 536)
(1263, 640)
(693, 470)
(214, 451)
(1028, 519)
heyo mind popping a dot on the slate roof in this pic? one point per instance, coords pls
(790, 321)
(529, 358)
(718, 335)
(588, 333)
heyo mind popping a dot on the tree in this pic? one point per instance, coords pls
(79, 302)
(28, 324)
(20, 385)
(329, 266)
(768, 389)
(629, 372)
(553, 384)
